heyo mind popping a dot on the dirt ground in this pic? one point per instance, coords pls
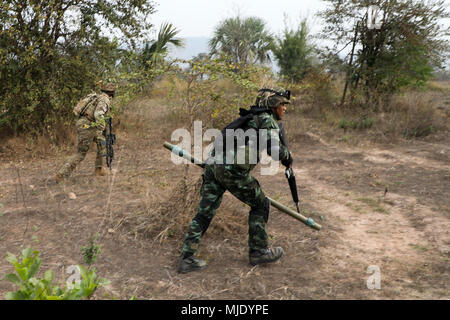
(381, 207)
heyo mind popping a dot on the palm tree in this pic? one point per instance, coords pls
(155, 52)
(244, 40)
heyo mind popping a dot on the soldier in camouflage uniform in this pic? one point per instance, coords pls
(236, 178)
(91, 111)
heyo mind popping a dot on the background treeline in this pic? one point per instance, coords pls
(53, 52)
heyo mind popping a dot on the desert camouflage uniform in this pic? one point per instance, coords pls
(236, 178)
(90, 128)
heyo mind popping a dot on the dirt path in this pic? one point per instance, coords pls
(382, 208)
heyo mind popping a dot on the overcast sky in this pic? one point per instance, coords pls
(198, 18)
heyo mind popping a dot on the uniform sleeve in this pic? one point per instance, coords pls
(274, 144)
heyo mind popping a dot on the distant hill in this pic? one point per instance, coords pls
(192, 47)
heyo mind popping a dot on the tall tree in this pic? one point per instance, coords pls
(399, 50)
(245, 40)
(155, 52)
(294, 52)
(53, 51)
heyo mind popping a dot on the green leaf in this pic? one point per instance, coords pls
(56, 291)
(26, 253)
(16, 296)
(13, 278)
(48, 276)
(74, 294)
(34, 267)
(22, 272)
(34, 282)
(83, 271)
(11, 258)
(39, 290)
(103, 282)
(54, 298)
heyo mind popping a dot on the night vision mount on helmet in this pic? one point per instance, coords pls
(285, 93)
(269, 98)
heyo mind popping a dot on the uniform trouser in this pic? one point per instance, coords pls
(216, 180)
(86, 134)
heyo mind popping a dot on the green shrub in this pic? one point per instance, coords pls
(90, 252)
(47, 67)
(213, 90)
(33, 288)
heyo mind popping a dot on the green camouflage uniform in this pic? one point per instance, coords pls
(90, 128)
(236, 178)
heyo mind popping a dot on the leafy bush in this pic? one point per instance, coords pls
(90, 252)
(54, 52)
(213, 90)
(32, 288)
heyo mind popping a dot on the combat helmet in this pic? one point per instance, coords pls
(107, 87)
(270, 98)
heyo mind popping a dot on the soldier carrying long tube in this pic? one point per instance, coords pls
(220, 176)
(308, 221)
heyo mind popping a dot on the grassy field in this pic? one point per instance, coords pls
(382, 197)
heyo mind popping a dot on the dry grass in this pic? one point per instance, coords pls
(316, 100)
(413, 115)
(439, 85)
(21, 146)
(172, 217)
(140, 118)
(410, 115)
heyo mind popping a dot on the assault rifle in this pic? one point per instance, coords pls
(110, 140)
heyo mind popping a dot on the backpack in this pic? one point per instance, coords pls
(82, 105)
(239, 123)
(245, 116)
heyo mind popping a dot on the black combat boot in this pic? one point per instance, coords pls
(265, 255)
(190, 263)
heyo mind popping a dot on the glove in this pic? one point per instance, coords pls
(287, 162)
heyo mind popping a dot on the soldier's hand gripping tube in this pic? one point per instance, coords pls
(308, 221)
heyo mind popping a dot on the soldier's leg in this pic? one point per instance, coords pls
(211, 197)
(247, 189)
(101, 149)
(85, 137)
(257, 220)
